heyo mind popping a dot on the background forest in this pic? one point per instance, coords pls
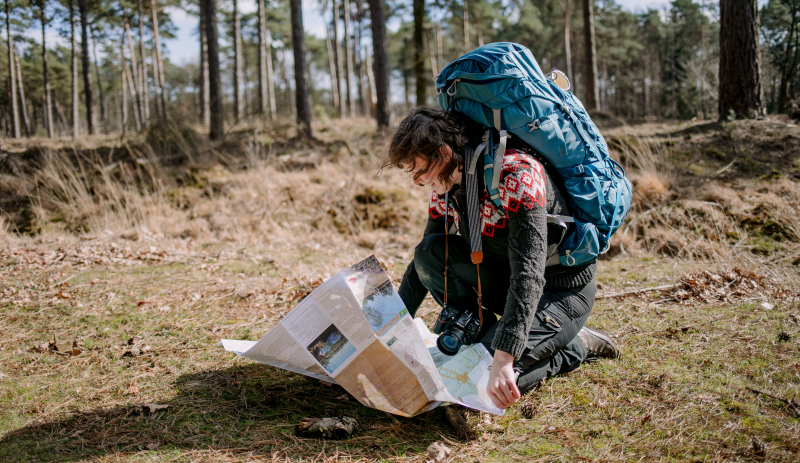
(654, 64)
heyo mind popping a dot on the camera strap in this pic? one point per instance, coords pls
(477, 261)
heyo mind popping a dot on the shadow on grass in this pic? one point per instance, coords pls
(248, 409)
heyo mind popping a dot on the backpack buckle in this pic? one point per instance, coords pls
(534, 125)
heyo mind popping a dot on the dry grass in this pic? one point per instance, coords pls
(147, 265)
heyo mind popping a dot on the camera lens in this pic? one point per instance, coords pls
(448, 343)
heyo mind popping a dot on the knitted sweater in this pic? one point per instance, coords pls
(518, 234)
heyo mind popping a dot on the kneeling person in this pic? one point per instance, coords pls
(542, 309)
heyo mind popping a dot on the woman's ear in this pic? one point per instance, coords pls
(447, 153)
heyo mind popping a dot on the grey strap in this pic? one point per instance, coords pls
(496, 118)
(498, 159)
(473, 207)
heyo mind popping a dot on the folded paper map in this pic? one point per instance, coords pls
(354, 330)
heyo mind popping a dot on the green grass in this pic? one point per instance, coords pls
(673, 396)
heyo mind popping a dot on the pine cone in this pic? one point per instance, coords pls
(759, 447)
(528, 410)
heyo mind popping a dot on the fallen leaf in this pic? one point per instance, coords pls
(133, 390)
(767, 306)
(3, 376)
(153, 445)
(437, 452)
(62, 295)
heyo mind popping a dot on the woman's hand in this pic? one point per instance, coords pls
(503, 388)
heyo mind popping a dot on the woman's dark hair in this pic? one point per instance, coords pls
(423, 133)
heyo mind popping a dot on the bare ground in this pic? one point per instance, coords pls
(118, 290)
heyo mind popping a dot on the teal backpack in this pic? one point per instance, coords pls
(501, 86)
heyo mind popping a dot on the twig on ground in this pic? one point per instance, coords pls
(792, 404)
(638, 291)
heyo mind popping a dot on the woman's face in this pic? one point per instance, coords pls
(431, 177)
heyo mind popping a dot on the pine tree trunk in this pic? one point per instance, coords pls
(785, 69)
(431, 51)
(12, 77)
(348, 53)
(740, 87)
(132, 89)
(48, 104)
(592, 94)
(26, 123)
(381, 63)
(144, 86)
(157, 45)
(273, 105)
(99, 86)
(237, 62)
(339, 66)
(216, 128)
(331, 58)
(439, 53)
(205, 117)
(419, 52)
(478, 29)
(567, 47)
(74, 72)
(465, 14)
(124, 79)
(357, 36)
(87, 75)
(301, 85)
(262, 59)
(139, 105)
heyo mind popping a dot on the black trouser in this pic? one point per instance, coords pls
(553, 347)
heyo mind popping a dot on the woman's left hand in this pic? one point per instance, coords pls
(503, 388)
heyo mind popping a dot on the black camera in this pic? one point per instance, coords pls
(455, 328)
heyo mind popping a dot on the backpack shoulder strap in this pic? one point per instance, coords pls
(473, 206)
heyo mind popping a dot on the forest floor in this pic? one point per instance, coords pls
(118, 279)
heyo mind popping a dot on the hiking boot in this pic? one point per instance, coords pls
(598, 344)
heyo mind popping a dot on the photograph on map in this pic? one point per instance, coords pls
(383, 307)
(331, 348)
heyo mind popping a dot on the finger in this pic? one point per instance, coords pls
(515, 391)
(495, 400)
(508, 396)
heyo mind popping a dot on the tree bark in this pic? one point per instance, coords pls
(301, 85)
(204, 93)
(439, 53)
(567, 47)
(262, 59)
(144, 86)
(23, 105)
(331, 59)
(87, 76)
(12, 77)
(99, 85)
(478, 30)
(74, 72)
(373, 99)
(381, 62)
(216, 127)
(124, 79)
(139, 105)
(348, 53)
(357, 45)
(339, 66)
(740, 87)
(431, 51)
(419, 52)
(237, 63)
(592, 94)
(157, 45)
(273, 105)
(465, 14)
(786, 71)
(48, 106)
